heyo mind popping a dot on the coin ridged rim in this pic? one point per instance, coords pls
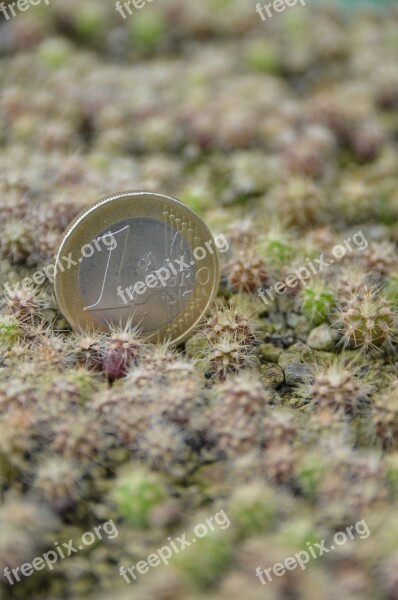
(134, 194)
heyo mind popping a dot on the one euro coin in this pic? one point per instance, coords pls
(141, 259)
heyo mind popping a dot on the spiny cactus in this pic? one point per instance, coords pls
(71, 389)
(228, 338)
(23, 302)
(276, 245)
(163, 446)
(235, 422)
(385, 418)
(317, 301)
(280, 463)
(17, 243)
(245, 271)
(204, 562)
(159, 358)
(17, 394)
(243, 392)
(22, 522)
(10, 330)
(337, 389)
(120, 351)
(253, 508)
(311, 470)
(58, 481)
(311, 152)
(367, 321)
(228, 354)
(366, 141)
(122, 416)
(279, 428)
(86, 349)
(79, 438)
(359, 480)
(136, 493)
(51, 350)
(380, 258)
(299, 202)
(229, 320)
(350, 282)
(19, 438)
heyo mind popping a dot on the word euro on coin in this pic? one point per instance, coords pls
(137, 258)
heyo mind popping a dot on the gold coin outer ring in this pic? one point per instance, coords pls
(104, 214)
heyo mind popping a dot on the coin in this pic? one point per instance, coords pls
(138, 258)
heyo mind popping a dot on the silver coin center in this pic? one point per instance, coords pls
(145, 270)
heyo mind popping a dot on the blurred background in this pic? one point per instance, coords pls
(283, 135)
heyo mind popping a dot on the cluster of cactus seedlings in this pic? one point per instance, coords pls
(283, 136)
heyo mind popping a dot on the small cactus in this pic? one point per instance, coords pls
(245, 271)
(229, 320)
(366, 142)
(227, 355)
(87, 349)
(80, 439)
(337, 389)
(136, 492)
(317, 302)
(367, 321)
(385, 418)
(280, 463)
(299, 202)
(204, 562)
(10, 330)
(351, 281)
(253, 508)
(380, 258)
(163, 446)
(58, 482)
(120, 351)
(17, 243)
(235, 422)
(23, 302)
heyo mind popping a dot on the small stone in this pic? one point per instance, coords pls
(287, 358)
(269, 352)
(324, 359)
(303, 350)
(297, 373)
(323, 338)
(271, 375)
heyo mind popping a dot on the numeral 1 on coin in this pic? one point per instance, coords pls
(112, 270)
